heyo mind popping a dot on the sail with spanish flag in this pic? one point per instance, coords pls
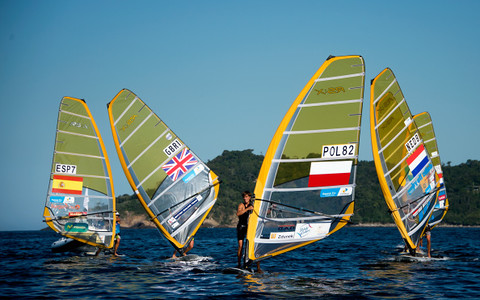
(425, 127)
(80, 202)
(306, 185)
(407, 176)
(176, 188)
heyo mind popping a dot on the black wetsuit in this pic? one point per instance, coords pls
(242, 225)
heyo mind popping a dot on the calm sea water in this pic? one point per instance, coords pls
(354, 263)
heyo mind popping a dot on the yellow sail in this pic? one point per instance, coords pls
(174, 186)
(407, 177)
(80, 199)
(306, 185)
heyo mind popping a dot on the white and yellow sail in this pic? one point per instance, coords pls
(306, 185)
(174, 186)
(405, 171)
(80, 200)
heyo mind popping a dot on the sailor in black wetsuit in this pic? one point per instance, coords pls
(243, 212)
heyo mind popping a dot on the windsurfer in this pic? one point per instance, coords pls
(243, 211)
(428, 235)
(190, 246)
(117, 235)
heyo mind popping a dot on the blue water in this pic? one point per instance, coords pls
(354, 263)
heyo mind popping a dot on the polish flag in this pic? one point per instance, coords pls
(329, 173)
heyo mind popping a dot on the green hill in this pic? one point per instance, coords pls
(238, 171)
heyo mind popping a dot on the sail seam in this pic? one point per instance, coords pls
(125, 111)
(340, 77)
(321, 130)
(330, 103)
(78, 134)
(74, 114)
(79, 154)
(84, 175)
(292, 160)
(306, 188)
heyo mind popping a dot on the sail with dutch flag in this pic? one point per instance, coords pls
(306, 185)
(405, 171)
(425, 128)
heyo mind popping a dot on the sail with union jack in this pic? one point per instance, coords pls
(175, 187)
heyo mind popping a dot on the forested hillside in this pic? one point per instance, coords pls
(238, 171)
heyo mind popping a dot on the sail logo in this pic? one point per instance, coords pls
(172, 148)
(78, 125)
(198, 169)
(57, 199)
(128, 123)
(336, 192)
(282, 235)
(63, 168)
(339, 151)
(412, 142)
(76, 227)
(188, 206)
(330, 90)
(309, 230)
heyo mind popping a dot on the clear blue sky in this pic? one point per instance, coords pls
(221, 74)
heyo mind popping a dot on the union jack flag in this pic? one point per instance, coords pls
(180, 164)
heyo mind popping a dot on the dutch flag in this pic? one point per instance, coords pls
(418, 160)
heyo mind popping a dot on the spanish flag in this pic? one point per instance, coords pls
(67, 184)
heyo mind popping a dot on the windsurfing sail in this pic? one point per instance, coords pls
(174, 186)
(306, 185)
(80, 200)
(425, 127)
(405, 171)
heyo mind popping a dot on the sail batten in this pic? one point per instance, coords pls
(341, 77)
(307, 180)
(176, 189)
